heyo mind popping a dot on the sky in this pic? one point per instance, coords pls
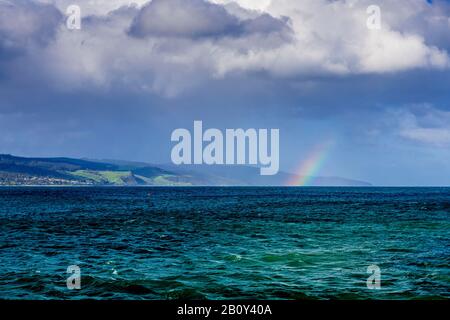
(137, 70)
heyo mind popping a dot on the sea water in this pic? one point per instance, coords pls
(224, 243)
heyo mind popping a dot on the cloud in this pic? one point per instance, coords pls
(197, 19)
(331, 38)
(180, 18)
(259, 5)
(168, 47)
(424, 124)
(24, 24)
(94, 7)
(435, 136)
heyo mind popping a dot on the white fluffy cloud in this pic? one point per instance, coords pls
(332, 37)
(94, 7)
(167, 46)
(424, 124)
(435, 136)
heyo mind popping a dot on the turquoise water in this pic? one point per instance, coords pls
(225, 243)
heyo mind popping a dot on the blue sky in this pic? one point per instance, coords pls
(138, 70)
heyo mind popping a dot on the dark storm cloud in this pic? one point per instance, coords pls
(265, 24)
(198, 19)
(168, 47)
(24, 24)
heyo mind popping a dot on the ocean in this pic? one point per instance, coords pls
(224, 242)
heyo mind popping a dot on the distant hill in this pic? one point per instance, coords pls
(67, 171)
(250, 176)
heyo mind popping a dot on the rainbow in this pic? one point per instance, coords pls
(311, 166)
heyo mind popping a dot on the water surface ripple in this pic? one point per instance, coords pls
(224, 243)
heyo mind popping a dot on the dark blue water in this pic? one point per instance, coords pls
(222, 243)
